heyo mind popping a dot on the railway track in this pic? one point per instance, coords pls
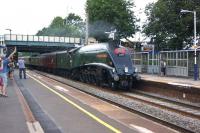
(175, 106)
(185, 109)
(146, 105)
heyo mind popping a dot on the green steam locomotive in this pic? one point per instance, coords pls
(102, 64)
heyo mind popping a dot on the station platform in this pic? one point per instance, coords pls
(13, 119)
(177, 81)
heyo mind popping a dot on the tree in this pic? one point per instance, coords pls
(57, 22)
(108, 15)
(167, 27)
(75, 24)
(72, 26)
(73, 19)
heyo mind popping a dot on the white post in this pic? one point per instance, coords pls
(152, 59)
(195, 49)
(195, 29)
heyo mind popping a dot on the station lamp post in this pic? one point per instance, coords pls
(195, 43)
(10, 32)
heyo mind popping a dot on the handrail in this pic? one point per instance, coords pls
(33, 38)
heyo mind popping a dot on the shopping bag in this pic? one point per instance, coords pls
(1, 82)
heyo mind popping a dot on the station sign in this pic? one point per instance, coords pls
(148, 47)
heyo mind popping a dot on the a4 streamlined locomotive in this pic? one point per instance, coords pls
(103, 64)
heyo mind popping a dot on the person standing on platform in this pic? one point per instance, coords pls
(163, 68)
(4, 71)
(22, 68)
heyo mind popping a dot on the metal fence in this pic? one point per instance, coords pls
(178, 63)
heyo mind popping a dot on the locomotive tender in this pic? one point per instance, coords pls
(103, 64)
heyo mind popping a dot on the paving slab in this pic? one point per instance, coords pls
(12, 119)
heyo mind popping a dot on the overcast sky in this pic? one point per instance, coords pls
(29, 16)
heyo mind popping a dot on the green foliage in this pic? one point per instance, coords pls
(72, 25)
(107, 15)
(73, 19)
(57, 22)
(169, 28)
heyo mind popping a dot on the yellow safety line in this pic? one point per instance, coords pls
(78, 107)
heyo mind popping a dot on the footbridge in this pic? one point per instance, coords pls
(40, 44)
